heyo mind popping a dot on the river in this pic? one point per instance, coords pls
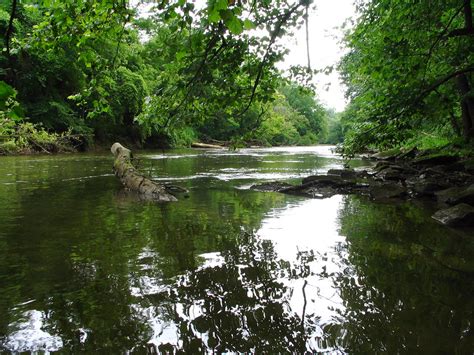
(87, 267)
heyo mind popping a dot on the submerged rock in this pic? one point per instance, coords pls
(312, 191)
(444, 177)
(461, 215)
(387, 191)
(427, 187)
(270, 186)
(456, 195)
(323, 186)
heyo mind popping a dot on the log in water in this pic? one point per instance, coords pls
(133, 180)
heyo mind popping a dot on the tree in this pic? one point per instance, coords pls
(82, 64)
(409, 68)
(211, 70)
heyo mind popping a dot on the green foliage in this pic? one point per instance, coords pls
(401, 72)
(85, 66)
(278, 127)
(305, 103)
(10, 110)
(206, 71)
(335, 131)
(25, 137)
(294, 118)
(19, 136)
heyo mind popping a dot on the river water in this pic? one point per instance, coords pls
(87, 267)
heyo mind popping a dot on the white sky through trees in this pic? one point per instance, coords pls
(325, 35)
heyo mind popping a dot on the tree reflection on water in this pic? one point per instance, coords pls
(240, 305)
(402, 286)
(408, 285)
(82, 274)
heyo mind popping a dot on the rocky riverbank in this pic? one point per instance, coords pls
(447, 179)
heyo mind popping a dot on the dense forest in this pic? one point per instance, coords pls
(409, 73)
(75, 73)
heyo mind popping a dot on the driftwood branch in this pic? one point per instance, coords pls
(134, 181)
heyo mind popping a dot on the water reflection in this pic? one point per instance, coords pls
(240, 305)
(27, 334)
(86, 268)
(408, 285)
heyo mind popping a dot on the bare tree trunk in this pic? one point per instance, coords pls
(9, 31)
(468, 29)
(10, 75)
(134, 181)
(467, 106)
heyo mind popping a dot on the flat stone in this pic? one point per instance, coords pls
(387, 191)
(456, 195)
(328, 180)
(343, 173)
(428, 187)
(461, 215)
(439, 159)
(270, 186)
(390, 173)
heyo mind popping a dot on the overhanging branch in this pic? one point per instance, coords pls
(275, 33)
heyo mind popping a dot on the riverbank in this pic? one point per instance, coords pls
(26, 139)
(447, 179)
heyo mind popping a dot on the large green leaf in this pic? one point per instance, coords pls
(234, 25)
(6, 91)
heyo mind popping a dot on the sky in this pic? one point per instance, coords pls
(325, 48)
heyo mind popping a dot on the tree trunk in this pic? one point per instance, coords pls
(9, 31)
(10, 75)
(134, 181)
(467, 106)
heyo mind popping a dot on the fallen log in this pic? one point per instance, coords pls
(205, 145)
(134, 181)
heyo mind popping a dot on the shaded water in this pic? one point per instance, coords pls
(87, 267)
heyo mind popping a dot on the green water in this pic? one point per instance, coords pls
(87, 267)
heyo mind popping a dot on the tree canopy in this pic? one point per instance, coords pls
(189, 71)
(182, 72)
(409, 72)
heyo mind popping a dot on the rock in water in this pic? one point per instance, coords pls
(387, 191)
(270, 186)
(456, 195)
(461, 215)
